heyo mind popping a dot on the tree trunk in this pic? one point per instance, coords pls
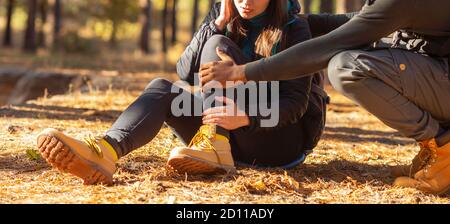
(43, 8)
(146, 28)
(30, 32)
(174, 22)
(342, 6)
(163, 27)
(306, 6)
(195, 17)
(7, 41)
(57, 13)
(113, 36)
(326, 6)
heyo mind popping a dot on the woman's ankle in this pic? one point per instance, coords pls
(223, 132)
(113, 146)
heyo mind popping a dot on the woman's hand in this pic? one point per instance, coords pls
(224, 18)
(228, 117)
(221, 74)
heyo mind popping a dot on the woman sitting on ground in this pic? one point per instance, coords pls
(239, 30)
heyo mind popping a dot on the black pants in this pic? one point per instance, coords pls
(143, 119)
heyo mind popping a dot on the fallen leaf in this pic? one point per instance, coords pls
(33, 154)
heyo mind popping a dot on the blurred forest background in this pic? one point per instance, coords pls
(94, 39)
(48, 29)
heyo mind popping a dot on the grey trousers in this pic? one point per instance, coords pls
(407, 91)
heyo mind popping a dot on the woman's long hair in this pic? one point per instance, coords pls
(271, 34)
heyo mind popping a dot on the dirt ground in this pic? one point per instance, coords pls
(350, 165)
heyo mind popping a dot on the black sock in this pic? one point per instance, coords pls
(115, 145)
(223, 131)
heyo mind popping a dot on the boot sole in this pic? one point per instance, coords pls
(63, 158)
(444, 192)
(441, 193)
(195, 166)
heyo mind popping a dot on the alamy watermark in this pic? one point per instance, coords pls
(256, 99)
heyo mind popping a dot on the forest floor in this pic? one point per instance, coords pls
(350, 165)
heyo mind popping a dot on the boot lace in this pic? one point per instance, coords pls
(92, 143)
(428, 156)
(202, 141)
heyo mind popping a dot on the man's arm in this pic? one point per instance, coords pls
(374, 22)
(321, 24)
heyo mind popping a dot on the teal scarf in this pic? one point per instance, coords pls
(254, 28)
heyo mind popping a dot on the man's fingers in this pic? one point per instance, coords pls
(207, 65)
(222, 55)
(205, 72)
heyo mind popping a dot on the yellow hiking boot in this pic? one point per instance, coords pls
(434, 172)
(93, 160)
(411, 169)
(208, 153)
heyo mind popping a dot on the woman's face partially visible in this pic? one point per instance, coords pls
(248, 9)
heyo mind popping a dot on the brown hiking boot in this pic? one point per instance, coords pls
(92, 160)
(434, 172)
(411, 169)
(208, 153)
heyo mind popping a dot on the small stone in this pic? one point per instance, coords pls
(13, 129)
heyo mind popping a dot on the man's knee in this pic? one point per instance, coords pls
(344, 71)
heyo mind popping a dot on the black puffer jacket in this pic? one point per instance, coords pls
(302, 113)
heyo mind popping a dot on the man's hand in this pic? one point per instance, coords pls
(221, 74)
(228, 117)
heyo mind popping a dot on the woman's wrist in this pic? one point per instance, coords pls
(245, 121)
(220, 24)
